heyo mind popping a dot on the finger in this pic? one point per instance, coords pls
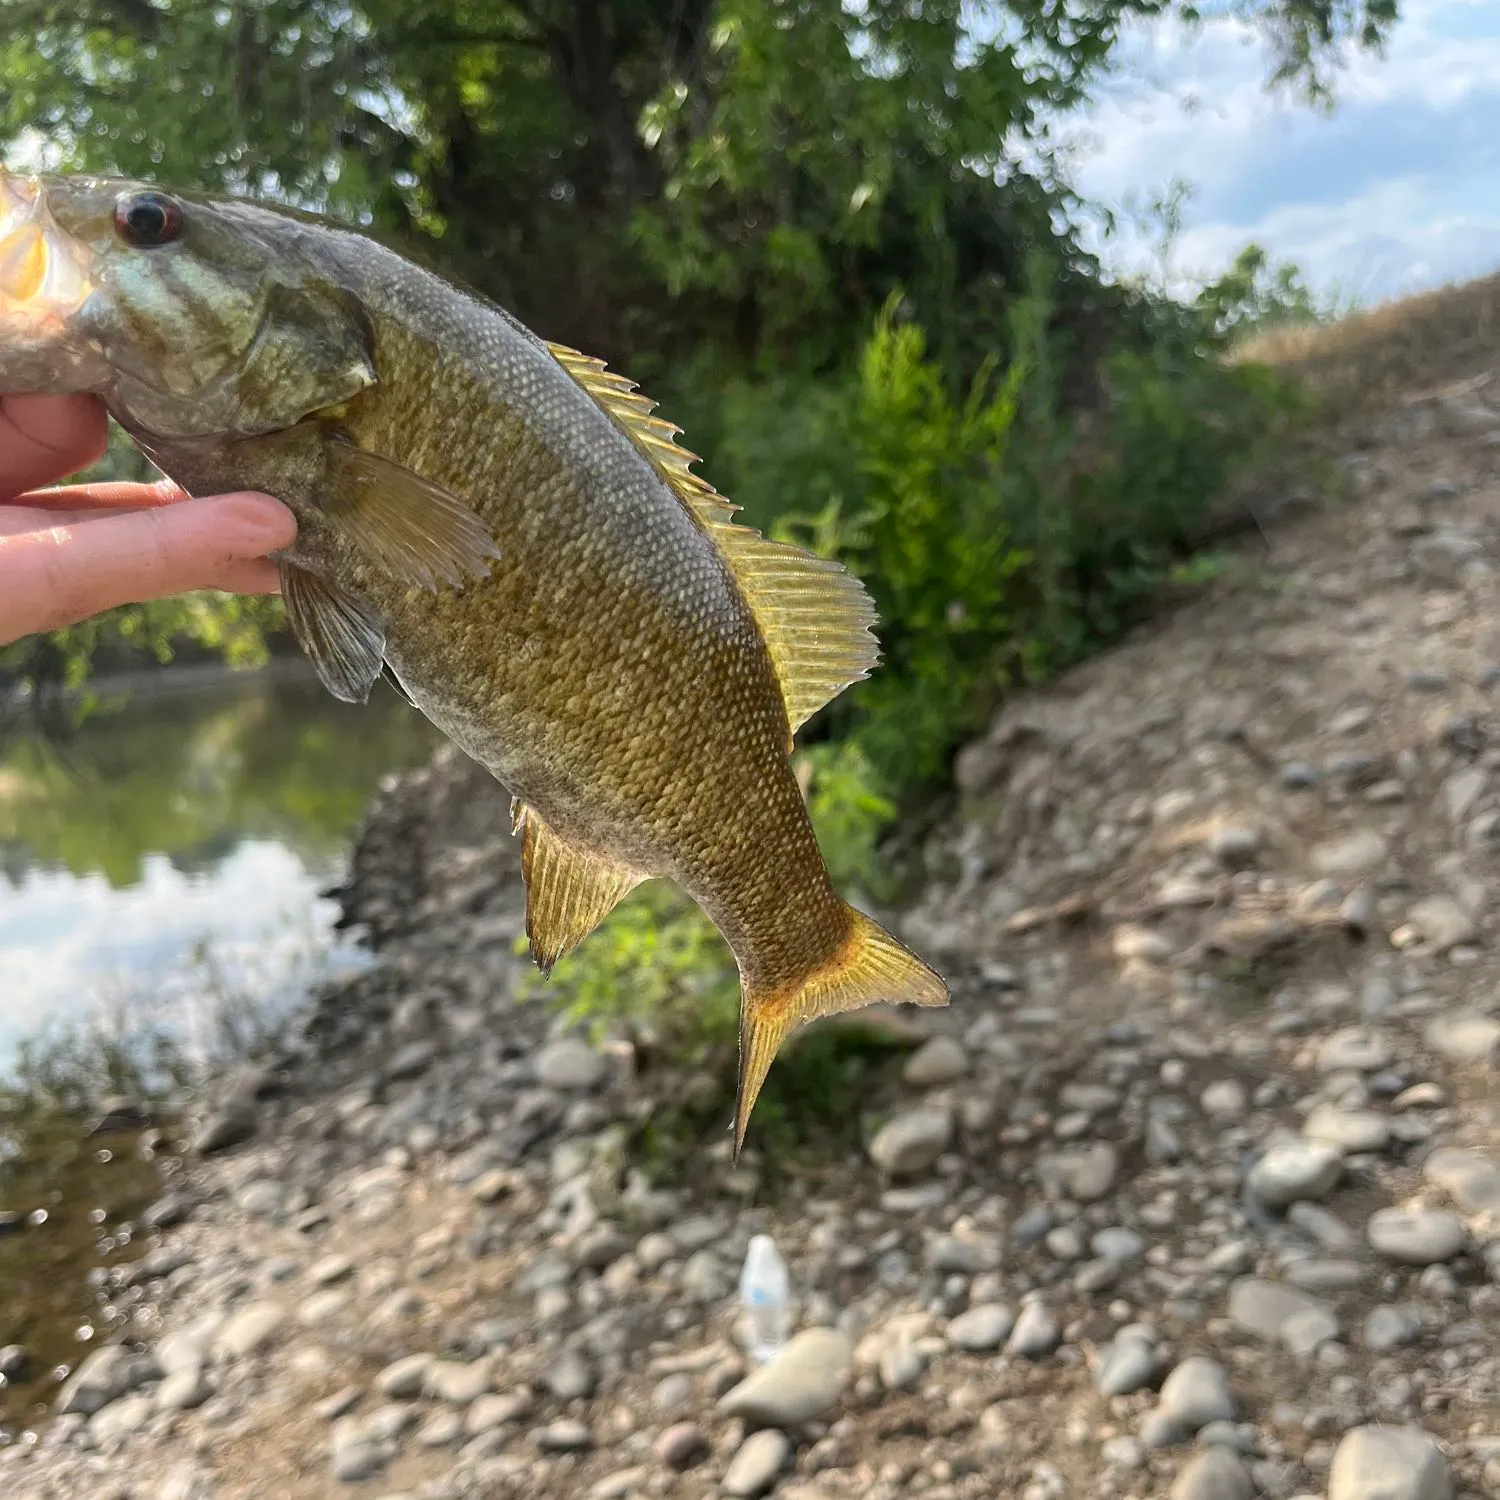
(107, 495)
(42, 438)
(258, 575)
(60, 576)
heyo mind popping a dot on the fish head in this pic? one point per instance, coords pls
(191, 317)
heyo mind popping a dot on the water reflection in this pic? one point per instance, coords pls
(186, 824)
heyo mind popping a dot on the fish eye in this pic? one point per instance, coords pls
(146, 220)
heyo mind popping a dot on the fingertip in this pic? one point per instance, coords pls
(253, 524)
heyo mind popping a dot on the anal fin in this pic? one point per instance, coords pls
(870, 967)
(343, 638)
(569, 891)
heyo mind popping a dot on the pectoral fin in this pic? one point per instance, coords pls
(569, 891)
(343, 638)
(415, 530)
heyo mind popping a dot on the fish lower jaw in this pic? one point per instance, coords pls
(44, 271)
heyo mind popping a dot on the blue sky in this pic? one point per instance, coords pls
(1396, 191)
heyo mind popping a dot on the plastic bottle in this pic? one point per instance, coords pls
(766, 1293)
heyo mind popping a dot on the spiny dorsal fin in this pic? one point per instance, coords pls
(569, 891)
(816, 618)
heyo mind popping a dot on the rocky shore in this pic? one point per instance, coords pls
(1193, 1192)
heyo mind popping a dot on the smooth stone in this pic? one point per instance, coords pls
(1466, 1036)
(1118, 1245)
(183, 1390)
(1197, 1393)
(757, 1465)
(570, 1378)
(1036, 1333)
(1393, 1325)
(458, 1384)
(902, 1365)
(13, 1361)
(1389, 1463)
(567, 1436)
(939, 1060)
(405, 1378)
(1471, 1180)
(1326, 1275)
(1213, 1474)
(1355, 1049)
(799, 1385)
(1415, 1237)
(681, 1445)
(569, 1065)
(358, 1460)
(1443, 923)
(495, 1409)
(1292, 1171)
(250, 1329)
(912, 1141)
(1349, 1130)
(1271, 1311)
(105, 1376)
(981, 1328)
(1126, 1365)
(1357, 853)
(120, 1418)
(1088, 1174)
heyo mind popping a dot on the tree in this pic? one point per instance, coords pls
(628, 175)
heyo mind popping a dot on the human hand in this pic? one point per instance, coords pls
(69, 553)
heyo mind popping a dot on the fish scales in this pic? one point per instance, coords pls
(502, 524)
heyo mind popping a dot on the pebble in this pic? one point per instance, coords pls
(1355, 1050)
(912, 1141)
(758, 1464)
(1357, 853)
(1392, 1325)
(1389, 1463)
(1127, 1364)
(570, 1378)
(1295, 1170)
(104, 1376)
(681, 1445)
(1350, 1130)
(1197, 1393)
(800, 1384)
(1465, 1036)
(1213, 1474)
(1471, 1180)
(566, 1436)
(1036, 1333)
(1415, 1237)
(939, 1060)
(405, 1378)
(1088, 1174)
(446, 1380)
(250, 1329)
(569, 1065)
(1279, 1313)
(1442, 922)
(183, 1390)
(981, 1328)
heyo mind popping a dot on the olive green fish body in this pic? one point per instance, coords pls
(504, 526)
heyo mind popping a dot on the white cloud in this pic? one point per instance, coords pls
(1396, 190)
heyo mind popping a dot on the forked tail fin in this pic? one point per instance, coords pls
(869, 968)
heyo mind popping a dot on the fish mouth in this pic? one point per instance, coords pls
(44, 271)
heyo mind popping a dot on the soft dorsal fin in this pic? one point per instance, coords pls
(816, 618)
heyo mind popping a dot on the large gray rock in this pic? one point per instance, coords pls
(569, 1064)
(912, 1141)
(1389, 1463)
(103, 1377)
(802, 1383)
(1281, 1314)
(1197, 1393)
(1466, 1036)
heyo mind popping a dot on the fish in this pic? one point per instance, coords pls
(504, 527)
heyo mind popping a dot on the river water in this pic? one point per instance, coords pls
(159, 902)
(170, 856)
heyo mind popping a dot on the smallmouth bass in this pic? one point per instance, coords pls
(503, 526)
